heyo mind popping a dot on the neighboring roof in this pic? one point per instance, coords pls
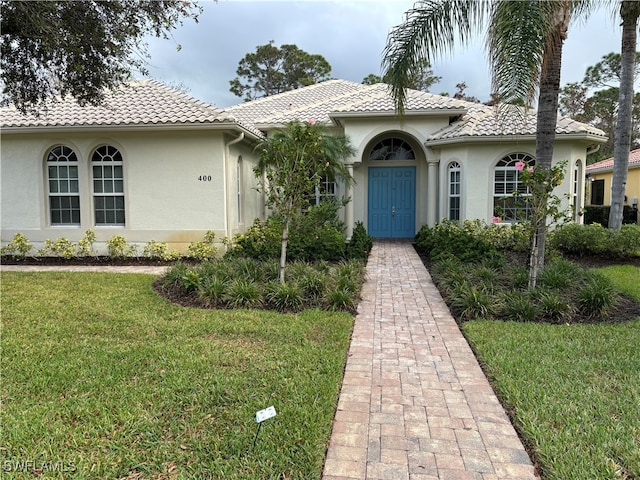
(140, 103)
(485, 122)
(607, 165)
(326, 101)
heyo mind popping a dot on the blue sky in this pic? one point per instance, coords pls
(350, 35)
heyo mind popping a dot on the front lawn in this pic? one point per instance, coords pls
(573, 390)
(102, 376)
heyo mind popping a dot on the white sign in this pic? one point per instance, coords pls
(265, 414)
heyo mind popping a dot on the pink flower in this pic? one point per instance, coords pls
(530, 169)
(496, 219)
(326, 164)
(519, 166)
(312, 121)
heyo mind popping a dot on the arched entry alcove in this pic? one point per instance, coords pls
(391, 187)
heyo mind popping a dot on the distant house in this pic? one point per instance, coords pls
(156, 164)
(600, 175)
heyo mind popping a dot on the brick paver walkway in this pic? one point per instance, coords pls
(414, 402)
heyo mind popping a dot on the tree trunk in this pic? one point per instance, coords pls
(629, 11)
(548, 110)
(283, 250)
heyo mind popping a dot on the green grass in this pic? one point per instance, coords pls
(574, 390)
(100, 373)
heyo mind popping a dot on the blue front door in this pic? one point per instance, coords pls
(392, 202)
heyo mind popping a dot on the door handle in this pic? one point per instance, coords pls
(393, 211)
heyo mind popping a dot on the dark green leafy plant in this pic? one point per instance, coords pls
(243, 294)
(284, 297)
(360, 244)
(474, 303)
(597, 296)
(518, 305)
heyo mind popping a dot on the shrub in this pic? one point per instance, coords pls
(159, 251)
(243, 294)
(85, 244)
(191, 280)
(118, 247)
(284, 297)
(18, 247)
(448, 238)
(261, 241)
(61, 247)
(246, 269)
(597, 296)
(594, 239)
(558, 275)
(360, 244)
(204, 249)
(313, 284)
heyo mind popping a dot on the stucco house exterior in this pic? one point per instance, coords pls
(157, 164)
(600, 175)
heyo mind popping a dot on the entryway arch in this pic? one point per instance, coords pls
(391, 197)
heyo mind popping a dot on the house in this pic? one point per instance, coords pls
(600, 175)
(157, 164)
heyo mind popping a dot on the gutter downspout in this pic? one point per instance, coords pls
(592, 149)
(227, 186)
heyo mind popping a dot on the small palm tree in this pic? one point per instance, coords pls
(292, 162)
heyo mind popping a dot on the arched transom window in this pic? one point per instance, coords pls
(392, 149)
(108, 186)
(507, 206)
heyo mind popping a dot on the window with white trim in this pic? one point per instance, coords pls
(108, 186)
(324, 190)
(239, 189)
(62, 180)
(575, 191)
(506, 182)
(392, 149)
(453, 188)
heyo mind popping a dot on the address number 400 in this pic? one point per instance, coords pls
(204, 178)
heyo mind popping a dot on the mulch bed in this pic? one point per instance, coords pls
(626, 308)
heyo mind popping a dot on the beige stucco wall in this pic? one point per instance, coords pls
(168, 194)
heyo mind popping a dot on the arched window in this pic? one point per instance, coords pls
(108, 186)
(506, 182)
(453, 190)
(62, 180)
(392, 149)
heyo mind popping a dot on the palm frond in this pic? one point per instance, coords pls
(429, 30)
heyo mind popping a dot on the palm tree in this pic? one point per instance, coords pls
(292, 161)
(524, 42)
(629, 11)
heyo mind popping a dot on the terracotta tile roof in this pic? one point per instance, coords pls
(144, 102)
(607, 165)
(485, 121)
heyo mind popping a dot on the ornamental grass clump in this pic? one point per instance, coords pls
(244, 294)
(597, 296)
(472, 303)
(518, 306)
(212, 290)
(284, 297)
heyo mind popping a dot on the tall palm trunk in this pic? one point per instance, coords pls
(629, 11)
(547, 120)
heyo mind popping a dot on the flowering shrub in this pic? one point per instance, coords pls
(19, 246)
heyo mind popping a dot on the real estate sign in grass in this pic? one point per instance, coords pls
(102, 377)
(573, 390)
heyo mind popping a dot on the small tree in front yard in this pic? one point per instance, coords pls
(543, 205)
(292, 162)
